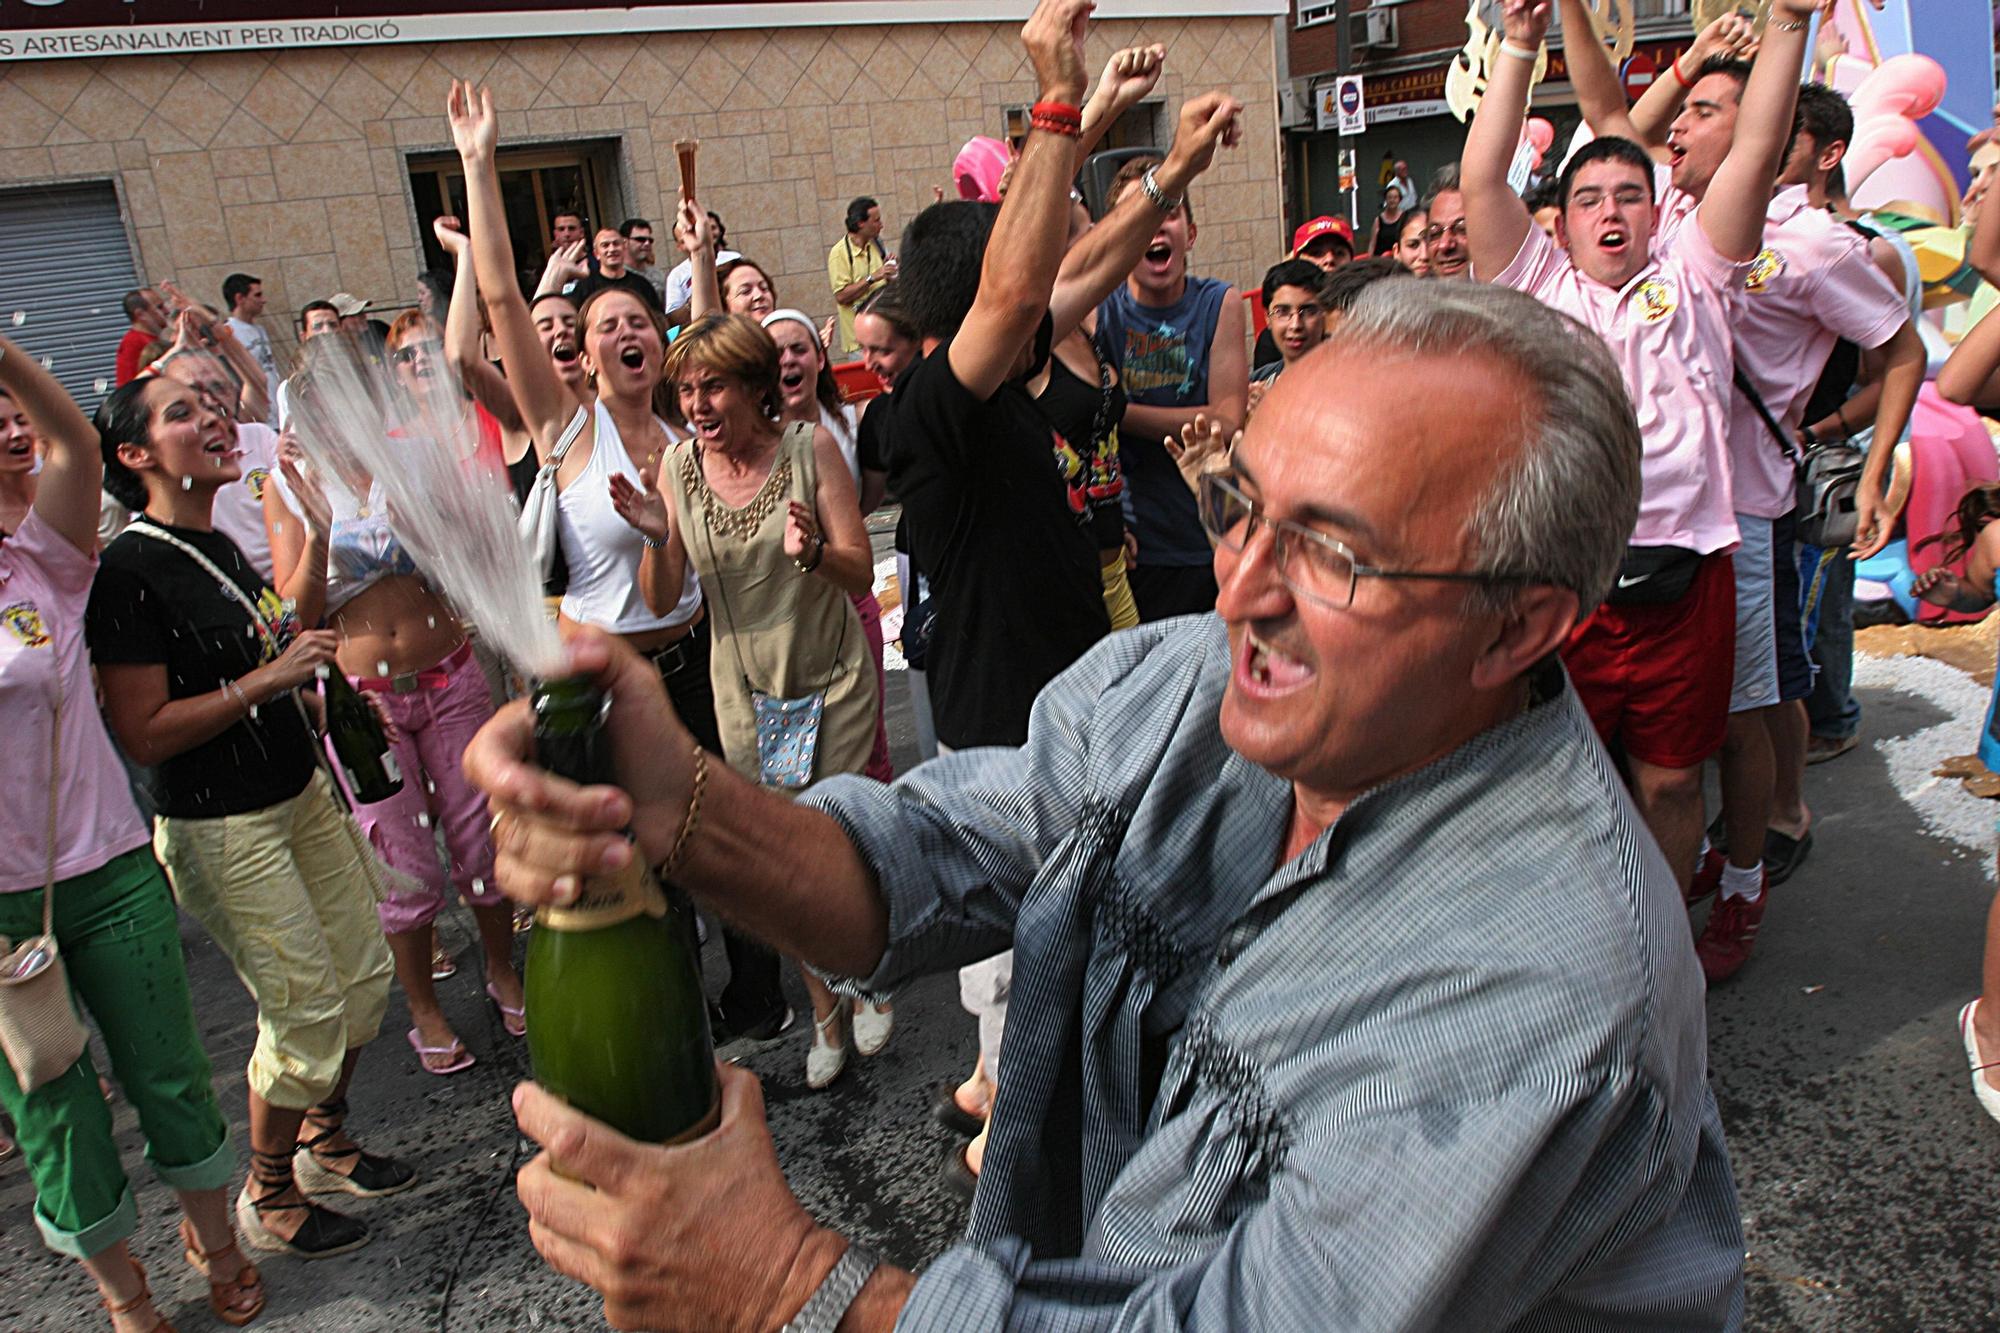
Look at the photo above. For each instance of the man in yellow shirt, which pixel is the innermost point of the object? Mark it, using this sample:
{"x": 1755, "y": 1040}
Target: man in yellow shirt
{"x": 856, "y": 266}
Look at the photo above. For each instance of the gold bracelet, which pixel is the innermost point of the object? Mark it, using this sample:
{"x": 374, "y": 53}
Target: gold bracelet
{"x": 681, "y": 843}
{"x": 1796, "y": 25}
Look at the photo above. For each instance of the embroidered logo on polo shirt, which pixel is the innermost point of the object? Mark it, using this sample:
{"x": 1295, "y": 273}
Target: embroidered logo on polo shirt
{"x": 26, "y": 623}
{"x": 1767, "y": 265}
{"x": 255, "y": 479}
{"x": 1655, "y": 300}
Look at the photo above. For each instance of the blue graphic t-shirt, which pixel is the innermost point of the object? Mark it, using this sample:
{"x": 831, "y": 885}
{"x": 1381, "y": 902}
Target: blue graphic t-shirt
{"x": 1162, "y": 357}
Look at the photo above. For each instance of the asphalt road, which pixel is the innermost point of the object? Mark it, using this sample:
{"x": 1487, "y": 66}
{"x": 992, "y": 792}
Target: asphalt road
{"x": 1865, "y": 1166}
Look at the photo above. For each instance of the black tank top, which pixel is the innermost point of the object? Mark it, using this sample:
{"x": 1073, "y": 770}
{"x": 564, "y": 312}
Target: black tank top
{"x": 1086, "y": 415}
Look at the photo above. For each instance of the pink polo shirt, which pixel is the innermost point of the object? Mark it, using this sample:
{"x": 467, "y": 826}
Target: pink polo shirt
{"x": 44, "y": 585}
{"x": 1813, "y": 282}
{"x": 1668, "y": 329}
{"x": 1671, "y": 207}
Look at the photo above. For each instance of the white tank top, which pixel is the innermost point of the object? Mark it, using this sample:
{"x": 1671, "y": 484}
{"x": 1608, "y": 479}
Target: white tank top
{"x": 603, "y": 550}
{"x": 842, "y": 426}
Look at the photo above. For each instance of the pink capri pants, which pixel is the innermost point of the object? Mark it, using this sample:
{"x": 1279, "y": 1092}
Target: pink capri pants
{"x": 437, "y": 712}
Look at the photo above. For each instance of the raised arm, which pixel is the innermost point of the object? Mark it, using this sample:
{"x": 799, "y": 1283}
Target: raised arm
{"x": 1496, "y": 221}
{"x": 1653, "y": 115}
{"x": 1732, "y": 212}
{"x": 1599, "y": 93}
{"x": 462, "y": 351}
{"x": 73, "y": 467}
{"x": 298, "y": 541}
{"x": 1128, "y": 77}
{"x": 695, "y": 234}
{"x": 545, "y": 405}
{"x": 1026, "y": 248}
{"x": 1104, "y": 257}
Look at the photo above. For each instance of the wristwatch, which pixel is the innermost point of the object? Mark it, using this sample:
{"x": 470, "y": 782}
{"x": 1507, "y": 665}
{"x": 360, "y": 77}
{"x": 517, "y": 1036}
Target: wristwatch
{"x": 824, "y": 1309}
{"x": 1151, "y": 185}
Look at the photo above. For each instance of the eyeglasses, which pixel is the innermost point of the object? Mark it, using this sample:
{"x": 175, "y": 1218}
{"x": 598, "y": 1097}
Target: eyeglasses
{"x": 1306, "y": 311}
{"x": 1317, "y": 567}
{"x": 1433, "y": 234}
{"x": 403, "y": 356}
{"x": 1625, "y": 196}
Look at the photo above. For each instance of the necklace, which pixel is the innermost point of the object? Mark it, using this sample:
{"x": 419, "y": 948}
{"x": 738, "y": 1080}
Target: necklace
{"x": 743, "y": 523}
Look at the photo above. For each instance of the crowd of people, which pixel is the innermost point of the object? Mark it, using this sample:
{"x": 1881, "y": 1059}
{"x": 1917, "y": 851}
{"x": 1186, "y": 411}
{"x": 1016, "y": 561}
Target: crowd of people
{"x": 1210, "y": 689}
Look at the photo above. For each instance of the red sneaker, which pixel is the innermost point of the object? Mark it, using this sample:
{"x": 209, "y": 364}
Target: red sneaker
{"x": 1725, "y": 943}
{"x": 1708, "y": 879}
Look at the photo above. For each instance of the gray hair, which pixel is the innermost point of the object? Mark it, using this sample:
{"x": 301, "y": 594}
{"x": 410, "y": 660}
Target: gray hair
{"x": 1443, "y": 181}
{"x": 1562, "y": 510}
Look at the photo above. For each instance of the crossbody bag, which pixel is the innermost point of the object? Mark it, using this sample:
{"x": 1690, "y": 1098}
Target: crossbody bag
{"x": 1827, "y": 478}
{"x": 40, "y": 1033}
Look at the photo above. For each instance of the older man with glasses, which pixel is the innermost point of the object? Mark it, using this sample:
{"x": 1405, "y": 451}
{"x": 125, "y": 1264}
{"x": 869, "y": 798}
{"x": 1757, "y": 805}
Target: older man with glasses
{"x": 1349, "y": 990}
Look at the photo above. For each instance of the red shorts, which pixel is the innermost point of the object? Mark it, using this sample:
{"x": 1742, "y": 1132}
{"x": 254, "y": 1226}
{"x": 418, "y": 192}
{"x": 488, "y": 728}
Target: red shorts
{"x": 1656, "y": 677}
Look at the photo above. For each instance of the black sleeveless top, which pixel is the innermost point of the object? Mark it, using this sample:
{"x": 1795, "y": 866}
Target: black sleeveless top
{"x": 1086, "y": 415}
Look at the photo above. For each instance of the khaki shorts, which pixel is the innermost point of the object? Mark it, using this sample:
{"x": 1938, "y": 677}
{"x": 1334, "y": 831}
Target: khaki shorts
{"x": 289, "y": 894}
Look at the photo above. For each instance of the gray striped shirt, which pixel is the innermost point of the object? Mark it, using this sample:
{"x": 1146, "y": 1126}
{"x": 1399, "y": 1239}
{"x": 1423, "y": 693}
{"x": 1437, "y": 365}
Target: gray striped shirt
{"x": 1444, "y": 1069}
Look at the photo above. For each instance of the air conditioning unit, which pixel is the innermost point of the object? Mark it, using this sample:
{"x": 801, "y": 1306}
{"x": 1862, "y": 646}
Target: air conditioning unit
{"x": 1372, "y": 29}
{"x": 1294, "y": 111}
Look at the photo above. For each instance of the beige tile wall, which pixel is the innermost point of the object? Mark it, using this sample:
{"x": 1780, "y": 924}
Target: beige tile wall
{"x": 292, "y": 165}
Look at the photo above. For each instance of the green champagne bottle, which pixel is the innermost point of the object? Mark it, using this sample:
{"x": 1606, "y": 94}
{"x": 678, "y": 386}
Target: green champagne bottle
{"x": 358, "y": 740}
{"x": 618, "y": 1024}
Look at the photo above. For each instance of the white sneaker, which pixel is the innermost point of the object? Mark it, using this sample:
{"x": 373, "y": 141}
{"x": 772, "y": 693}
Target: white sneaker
{"x": 826, "y": 1058}
{"x": 872, "y": 1025}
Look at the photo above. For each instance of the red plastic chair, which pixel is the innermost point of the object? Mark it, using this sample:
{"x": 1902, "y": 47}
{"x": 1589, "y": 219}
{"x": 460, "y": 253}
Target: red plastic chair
{"x": 856, "y": 381}
{"x": 1257, "y": 319}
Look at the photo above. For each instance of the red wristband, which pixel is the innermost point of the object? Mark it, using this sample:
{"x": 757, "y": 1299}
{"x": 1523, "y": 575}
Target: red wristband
{"x": 1679, "y": 77}
{"x": 1054, "y": 125}
{"x": 1057, "y": 111}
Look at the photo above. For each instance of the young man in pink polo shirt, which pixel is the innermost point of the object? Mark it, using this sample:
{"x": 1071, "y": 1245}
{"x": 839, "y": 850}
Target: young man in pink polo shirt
{"x": 1654, "y": 664}
{"x": 1813, "y": 282}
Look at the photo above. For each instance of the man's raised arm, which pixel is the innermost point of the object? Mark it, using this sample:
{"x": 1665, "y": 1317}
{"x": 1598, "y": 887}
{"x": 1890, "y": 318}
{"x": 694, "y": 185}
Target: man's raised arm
{"x": 1732, "y": 212}
{"x": 1029, "y": 237}
{"x": 1496, "y": 221}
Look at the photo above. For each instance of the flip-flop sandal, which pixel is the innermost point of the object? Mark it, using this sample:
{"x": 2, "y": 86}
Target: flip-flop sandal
{"x": 1783, "y": 854}
{"x": 425, "y": 1053}
{"x": 515, "y": 1020}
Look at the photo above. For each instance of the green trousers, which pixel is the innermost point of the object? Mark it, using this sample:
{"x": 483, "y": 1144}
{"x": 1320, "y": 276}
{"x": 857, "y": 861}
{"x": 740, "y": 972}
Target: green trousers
{"x": 122, "y": 949}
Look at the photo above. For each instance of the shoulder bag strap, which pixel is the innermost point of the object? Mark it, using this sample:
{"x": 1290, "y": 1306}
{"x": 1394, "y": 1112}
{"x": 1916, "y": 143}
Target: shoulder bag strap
{"x": 264, "y": 628}
{"x": 55, "y": 785}
{"x": 566, "y": 439}
{"x": 1785, "y": 447}
{"x": 229, "y": 585}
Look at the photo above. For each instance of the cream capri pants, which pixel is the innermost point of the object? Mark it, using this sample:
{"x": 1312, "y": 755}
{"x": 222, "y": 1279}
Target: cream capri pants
{"x": 289, "y": 894}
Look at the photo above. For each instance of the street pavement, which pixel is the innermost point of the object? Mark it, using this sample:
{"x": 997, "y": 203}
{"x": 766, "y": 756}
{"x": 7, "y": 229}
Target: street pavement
{"x": 1863, "y": 1160}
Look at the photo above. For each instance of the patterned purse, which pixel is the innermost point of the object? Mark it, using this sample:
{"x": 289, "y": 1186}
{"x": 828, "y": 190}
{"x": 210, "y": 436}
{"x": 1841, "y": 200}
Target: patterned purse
{"x": 787, "y": 737}
{"x": 39, "y": 1030}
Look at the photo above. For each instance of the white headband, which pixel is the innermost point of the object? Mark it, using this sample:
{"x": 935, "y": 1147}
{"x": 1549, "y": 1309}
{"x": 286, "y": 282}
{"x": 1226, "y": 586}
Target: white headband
{"x": 778, "y": 316}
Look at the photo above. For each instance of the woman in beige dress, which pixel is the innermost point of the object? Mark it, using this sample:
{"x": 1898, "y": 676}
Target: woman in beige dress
{"x": 767, "y": 515}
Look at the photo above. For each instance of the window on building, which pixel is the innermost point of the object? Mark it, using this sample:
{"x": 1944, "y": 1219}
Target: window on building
{"x": 1139, "y": 127}
{"x": 536, "y": 185}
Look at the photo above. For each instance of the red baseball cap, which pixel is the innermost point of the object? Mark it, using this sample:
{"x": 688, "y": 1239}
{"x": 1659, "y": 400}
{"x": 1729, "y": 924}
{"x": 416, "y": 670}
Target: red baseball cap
{"x": 1322, "y": 226}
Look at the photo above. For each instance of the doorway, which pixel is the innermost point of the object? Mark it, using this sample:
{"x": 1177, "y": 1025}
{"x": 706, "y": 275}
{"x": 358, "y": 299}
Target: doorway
{"x": 536, "y": 184}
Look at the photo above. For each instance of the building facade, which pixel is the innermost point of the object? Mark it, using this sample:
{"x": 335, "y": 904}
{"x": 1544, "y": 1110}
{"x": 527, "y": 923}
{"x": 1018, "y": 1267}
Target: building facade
{"x": 312, "y": 150}
{"x": 1402, "y": 49}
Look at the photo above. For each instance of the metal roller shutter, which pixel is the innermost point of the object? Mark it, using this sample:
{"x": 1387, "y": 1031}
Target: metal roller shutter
{"x": 65, "y": 266}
